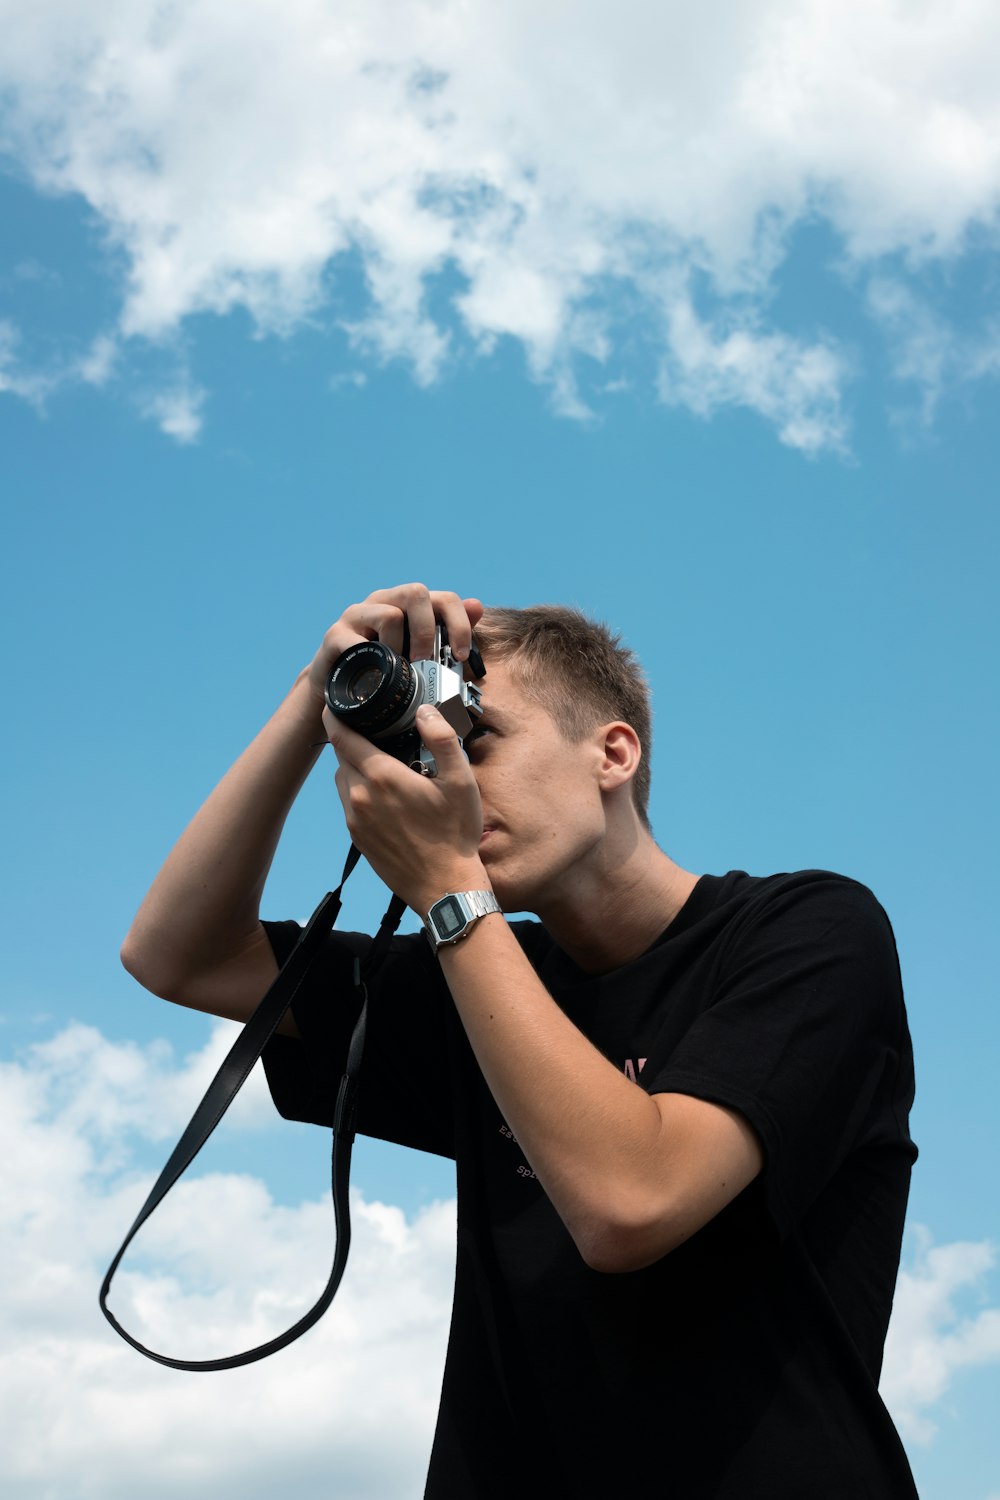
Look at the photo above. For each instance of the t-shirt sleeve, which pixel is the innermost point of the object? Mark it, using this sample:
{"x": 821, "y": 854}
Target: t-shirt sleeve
{"x": 805, "y": 1035}
{"x": 404, "y": 1094}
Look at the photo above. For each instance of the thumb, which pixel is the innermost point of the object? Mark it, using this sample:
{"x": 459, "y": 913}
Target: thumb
{"x": 439, "y": 737}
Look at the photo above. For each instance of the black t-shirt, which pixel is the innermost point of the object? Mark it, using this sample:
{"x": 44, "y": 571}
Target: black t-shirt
{"x": 743, "y": 1365}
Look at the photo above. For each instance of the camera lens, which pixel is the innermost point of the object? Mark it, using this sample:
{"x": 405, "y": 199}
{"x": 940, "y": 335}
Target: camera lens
{"x": 371, "y": 688}
{"x": 363, "y": 685}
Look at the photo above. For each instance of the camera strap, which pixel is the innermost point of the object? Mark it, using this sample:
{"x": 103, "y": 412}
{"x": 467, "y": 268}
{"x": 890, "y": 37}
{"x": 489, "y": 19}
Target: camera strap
{"x": 230, "y": 1079}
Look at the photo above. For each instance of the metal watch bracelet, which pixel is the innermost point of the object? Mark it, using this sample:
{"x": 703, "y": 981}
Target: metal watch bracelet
{"x": 452, "y": 917}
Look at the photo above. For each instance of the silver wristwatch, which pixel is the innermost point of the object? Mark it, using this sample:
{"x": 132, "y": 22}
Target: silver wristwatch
{"x": 455, "y": 915}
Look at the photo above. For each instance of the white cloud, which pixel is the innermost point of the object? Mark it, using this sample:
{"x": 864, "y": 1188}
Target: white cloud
{"x": 99, "y": 1089}
{"x": 348, "y": 380}
{"x": 926, "y": 350}
{"x": 221, "y": 1266}
{"x": 796, "y": 386}
{"x": 177, "y": 411}
{"x": 98, "y": 364}
{"x": 14, "y": 379}
{"x": 930, "y": 1341}
{"x": 34, "y": 270}
{"x": 558, "y": 162}
{"x": 85, "y": 1416}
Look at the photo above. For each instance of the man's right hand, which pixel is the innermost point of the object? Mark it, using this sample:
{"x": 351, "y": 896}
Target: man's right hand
{"x": 383, "y": 616}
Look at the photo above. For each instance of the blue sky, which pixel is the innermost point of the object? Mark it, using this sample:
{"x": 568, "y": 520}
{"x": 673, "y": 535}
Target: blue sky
{"x": 745, "y": 412}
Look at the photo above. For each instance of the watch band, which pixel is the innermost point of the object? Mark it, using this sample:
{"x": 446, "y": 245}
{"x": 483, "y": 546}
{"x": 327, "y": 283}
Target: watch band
{"x": 453, "y": 917}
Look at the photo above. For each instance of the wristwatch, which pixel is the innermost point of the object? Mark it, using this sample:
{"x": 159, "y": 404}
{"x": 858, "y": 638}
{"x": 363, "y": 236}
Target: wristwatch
{"x": 455, "y": 915}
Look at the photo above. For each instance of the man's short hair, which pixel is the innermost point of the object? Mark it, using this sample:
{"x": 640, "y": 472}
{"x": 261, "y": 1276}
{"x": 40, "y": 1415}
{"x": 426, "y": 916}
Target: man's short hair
{"x": 577, "y": 669}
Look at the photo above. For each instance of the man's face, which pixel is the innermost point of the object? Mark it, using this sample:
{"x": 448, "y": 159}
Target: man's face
{"x": 542, "y": 808}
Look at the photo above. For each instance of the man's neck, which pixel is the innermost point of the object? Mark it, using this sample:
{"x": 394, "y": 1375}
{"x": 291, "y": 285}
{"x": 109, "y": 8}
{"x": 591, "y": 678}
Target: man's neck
{"x": 619, "y": 906}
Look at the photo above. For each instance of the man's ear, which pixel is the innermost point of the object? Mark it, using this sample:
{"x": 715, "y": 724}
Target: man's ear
{"x": 620, "y": 757}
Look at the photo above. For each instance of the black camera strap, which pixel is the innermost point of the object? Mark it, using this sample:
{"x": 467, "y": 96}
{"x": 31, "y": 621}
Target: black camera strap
{"x": 230, "y": 1079}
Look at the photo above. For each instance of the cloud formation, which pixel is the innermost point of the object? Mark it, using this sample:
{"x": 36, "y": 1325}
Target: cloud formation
{"x": 222, "y": 1266}
{"x": 930, "y": 1339}
{"x": 561, "y": 175}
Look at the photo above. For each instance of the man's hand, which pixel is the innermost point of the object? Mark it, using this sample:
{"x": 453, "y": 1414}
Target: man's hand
{"x": 420, "y": 834}
{"x": 383, "y": 615}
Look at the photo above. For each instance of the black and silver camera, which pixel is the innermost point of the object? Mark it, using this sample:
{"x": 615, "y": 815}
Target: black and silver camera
{"x": 377, "y": 692}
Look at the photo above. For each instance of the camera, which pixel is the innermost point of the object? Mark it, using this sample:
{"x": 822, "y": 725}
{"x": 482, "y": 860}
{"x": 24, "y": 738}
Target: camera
{"x": 377, "y": 692}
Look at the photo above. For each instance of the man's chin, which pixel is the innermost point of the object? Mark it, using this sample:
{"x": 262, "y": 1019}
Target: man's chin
{"x": 513, "y": 895}
{"x": 502, "y": 887}
{"x": 512, "y": 890}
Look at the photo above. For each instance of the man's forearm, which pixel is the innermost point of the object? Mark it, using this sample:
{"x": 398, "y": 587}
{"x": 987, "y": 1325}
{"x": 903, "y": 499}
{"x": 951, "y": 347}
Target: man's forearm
{"x": 631, "y": 1175}
{"x": 204, "y": 904}
{"x": 592, "y": 1136}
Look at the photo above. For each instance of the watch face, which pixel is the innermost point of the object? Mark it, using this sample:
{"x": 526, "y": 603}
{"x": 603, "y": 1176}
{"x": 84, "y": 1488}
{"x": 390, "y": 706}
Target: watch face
{"x": 449, "y": 917}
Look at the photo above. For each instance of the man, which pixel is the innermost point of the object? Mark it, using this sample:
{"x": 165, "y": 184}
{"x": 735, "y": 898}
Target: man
{"x": 678, "y": 1105}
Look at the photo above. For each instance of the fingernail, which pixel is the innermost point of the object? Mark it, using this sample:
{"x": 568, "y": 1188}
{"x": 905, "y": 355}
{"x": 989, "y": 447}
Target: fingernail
{"x": 426, "y": 711}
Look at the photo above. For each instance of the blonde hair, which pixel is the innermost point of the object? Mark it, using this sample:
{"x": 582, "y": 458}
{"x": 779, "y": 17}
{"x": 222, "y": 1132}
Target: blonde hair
{"x": 577, "y": 669}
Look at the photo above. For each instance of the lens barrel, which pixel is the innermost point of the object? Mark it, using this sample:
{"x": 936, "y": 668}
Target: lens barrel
{"x": 372, "y": 689}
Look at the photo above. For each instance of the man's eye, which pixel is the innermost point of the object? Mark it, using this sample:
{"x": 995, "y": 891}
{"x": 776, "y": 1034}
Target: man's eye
{"x": 476, "y": 735}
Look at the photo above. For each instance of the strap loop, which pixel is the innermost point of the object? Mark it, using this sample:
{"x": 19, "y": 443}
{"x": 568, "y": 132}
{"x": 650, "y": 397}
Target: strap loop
{"x": 227, "y": 1083}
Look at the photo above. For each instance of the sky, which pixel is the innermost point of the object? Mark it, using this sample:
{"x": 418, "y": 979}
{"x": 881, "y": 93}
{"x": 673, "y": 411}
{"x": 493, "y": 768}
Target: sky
{"x": 684, "y": 317}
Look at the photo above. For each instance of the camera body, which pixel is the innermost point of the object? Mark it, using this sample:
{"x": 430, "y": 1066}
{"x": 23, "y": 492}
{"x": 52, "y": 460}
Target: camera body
{"x": 377, "y": 692}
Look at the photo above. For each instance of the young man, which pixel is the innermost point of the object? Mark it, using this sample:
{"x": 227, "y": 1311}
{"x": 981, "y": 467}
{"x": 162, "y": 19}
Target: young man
{"x": 678, "y": 1105}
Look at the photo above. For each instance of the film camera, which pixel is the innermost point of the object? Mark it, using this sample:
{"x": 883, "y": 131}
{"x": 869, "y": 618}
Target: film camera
{"x": 377, "y": 692}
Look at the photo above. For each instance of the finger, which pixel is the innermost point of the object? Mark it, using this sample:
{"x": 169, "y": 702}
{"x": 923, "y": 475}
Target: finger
{"x": 451, "y": 610}
{"x": 373, "y": 621}
{"x": 475, "y": 609}
{"x": 359, "y": 623}
{"x": 414, "y": 599}
{"x": 351, "y": 748}
{"x": 442, "y": 741}
{"x": 355, "y": 792}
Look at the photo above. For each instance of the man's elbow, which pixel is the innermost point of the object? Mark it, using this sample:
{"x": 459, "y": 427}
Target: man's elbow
{"x": 150, "y": 975}
{"x": 133, "y": 964}
{"x": 614, "y": 1245}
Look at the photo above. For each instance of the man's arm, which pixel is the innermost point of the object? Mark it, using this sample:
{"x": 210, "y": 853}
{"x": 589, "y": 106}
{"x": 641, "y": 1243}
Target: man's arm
{"x": 197, "y": 938}
{"x": 631, "y": 1175}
